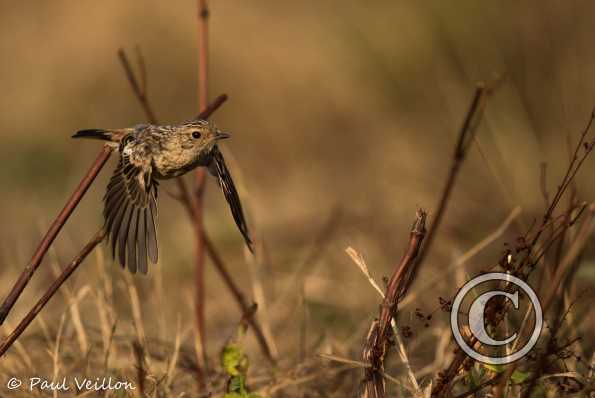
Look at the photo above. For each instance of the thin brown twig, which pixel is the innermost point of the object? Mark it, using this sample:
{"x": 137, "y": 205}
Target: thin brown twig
{"x": 138, "y": 89}
{"x": 444, "y": 384}
{"x": 487, "y": 383}
{"x": 187, "y": 200}
{"x": 359, "y": 261}
{"x": 203, "y": 53}
{"x": 246, "y": 309}
{"x": 466, "y": 135}
{"x": 53, "y": 232}
{"x": 542, "y": 358}
{"x": 543, "y": 183}
{"x": 574, "y": 166}
{"x": 465, "y": 138}
{"x": 576, "y": 248}
{"x": 560, "y": 278}
{"x": 142, "y": 97}
{"x": 85, "y": 251}
{"x": 199, "y": 264}
{"x": 465, "y": 257}
{"x": 446, "y": 377}
{"x": 377, "y": 342}
{"x": 200, "y": 179}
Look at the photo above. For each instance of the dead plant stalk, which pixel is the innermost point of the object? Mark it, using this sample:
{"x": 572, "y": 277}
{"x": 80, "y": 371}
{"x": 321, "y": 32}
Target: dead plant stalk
{"x": 78, "y": 259}
{"x": 203, "y": 49}
{"x": 53, "y": 232}
{"x": 189, "y": 202}
{"x": 531, "y": 258}
{"x": 378, "y": 339}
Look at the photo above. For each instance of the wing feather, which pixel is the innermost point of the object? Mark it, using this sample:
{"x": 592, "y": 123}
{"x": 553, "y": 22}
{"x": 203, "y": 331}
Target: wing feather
{"x": 231, "y": 194}
{"x": 142, "y": 240}
{"x": 132, "y": 241}
{"x": 151, "y": 219}
{"x": 123, "y": 235}
{"x": 112, "y": 212}
{"x": 130, "y": 213}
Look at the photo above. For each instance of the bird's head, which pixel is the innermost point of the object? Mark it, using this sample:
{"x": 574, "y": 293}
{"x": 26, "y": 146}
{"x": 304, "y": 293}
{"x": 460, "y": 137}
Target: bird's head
{"x": 199, "y": 136}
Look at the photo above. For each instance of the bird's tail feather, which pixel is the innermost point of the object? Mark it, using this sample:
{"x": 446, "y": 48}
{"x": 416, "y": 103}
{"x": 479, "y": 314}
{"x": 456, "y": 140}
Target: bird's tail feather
{"x": 94, "y": 134}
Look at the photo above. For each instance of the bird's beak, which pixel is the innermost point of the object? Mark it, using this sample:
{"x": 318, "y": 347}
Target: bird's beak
{"x": 222, "y": 136}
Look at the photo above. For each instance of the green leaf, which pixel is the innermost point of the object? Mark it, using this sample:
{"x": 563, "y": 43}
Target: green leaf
{"x": 234, "y": 395}
{"x": 236, "y": 384}
{"x": 519, "y": 377}
{"x": 240, "y": 395}
{"x": 474, "y": 378}
{"x": 235, "y": 364}
{"x": 494, "y": 368}
{"x": 231, "y": 359}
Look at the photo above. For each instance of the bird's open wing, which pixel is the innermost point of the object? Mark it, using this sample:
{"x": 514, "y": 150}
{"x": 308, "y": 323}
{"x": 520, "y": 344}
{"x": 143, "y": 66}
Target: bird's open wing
{"x": 218, "y": 168}
{"x": 131, "y": 214}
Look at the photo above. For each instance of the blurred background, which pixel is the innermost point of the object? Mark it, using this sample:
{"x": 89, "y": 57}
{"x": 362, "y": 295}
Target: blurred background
{"x": 344, "y": 118}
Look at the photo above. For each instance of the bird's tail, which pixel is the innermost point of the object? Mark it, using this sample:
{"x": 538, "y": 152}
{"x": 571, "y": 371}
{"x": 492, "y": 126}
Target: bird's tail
{"x": 95, "y": 134}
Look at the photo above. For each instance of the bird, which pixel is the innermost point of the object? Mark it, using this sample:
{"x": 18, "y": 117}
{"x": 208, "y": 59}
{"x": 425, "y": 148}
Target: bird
{"x": 149, "y": 153}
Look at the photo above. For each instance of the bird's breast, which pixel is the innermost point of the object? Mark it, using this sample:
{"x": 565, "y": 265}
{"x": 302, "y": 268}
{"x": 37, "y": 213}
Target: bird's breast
{"x": 172, "y": 165}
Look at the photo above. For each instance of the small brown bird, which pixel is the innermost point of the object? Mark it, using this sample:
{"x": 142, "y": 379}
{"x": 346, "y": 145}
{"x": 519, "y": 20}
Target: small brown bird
{"x": 148, "y": 153}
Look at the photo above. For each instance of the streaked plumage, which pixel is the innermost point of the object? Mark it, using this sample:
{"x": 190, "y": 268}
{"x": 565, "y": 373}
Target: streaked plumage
{"x": 148, "y": 153}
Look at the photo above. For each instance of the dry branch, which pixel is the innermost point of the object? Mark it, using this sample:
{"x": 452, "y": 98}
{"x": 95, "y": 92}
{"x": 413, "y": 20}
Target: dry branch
{"x": 379, "y": 336}
{"x": 359, "y": 261}
{"x": 533, "y": 252}
{"x": 247, "y": 312}
{"x": 54, "y": 230}
{"x": 464, "y": 140}
{"x": 85, "y": 251}
{"x": 140, "y": 91}
{"x": 186, "y": 198}
{"x": 555, "y": 284}
{"x": 465, "y": 257}
{"x": 200, "y": 179}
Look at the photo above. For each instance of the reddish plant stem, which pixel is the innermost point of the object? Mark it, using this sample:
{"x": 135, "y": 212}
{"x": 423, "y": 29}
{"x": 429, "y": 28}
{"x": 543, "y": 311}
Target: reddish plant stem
{"x": 466, "y": 136}
{"x": 192, "y": 206}
{"x": 212, "y": 107}
{"x": 246, "y": 309}
{"x": 557, "y": 282}
{"x": 189, "y": 203}
{"x": 140, "y": 91}
{"x": 399, "y": 283}
{"x": 203, "y": 53}
{"x": 378, "y": 339}
{"x": 85, "y": 251}
{"x": 53, "y": 231}
{"x": 200, "y": 178}
{"x": 444, "y": 382}
{"x": 199, "y": 271}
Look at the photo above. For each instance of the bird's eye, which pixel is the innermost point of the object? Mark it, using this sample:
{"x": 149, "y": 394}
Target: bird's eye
{"x": 128, "y": 139}
{"x": 196, "y": 134}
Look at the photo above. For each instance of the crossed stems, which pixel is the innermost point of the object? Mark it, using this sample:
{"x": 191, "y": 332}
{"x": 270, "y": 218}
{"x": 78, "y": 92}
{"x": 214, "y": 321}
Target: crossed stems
{"x": 98, "y": 237}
